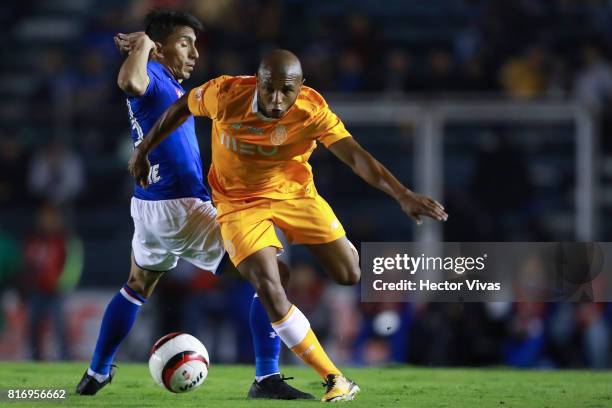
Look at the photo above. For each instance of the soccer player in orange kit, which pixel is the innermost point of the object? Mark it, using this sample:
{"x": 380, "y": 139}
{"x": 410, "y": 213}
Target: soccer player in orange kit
{"x": 264, "y": 129}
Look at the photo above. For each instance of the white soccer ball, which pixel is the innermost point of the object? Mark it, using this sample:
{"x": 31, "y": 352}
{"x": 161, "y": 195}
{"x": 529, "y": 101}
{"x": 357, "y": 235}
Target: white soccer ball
{"x": 179, "y": 362}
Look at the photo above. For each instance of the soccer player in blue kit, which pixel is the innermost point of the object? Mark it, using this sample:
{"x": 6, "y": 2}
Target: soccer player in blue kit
{"x": 174, "y": 217}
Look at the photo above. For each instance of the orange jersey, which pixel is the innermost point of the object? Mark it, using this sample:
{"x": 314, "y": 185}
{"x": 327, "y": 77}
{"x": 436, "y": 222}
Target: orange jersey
{"x": 257, "y": 157}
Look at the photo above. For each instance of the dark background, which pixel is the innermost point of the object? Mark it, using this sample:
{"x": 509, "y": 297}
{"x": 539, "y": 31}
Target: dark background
{"x": 64, "y": 144}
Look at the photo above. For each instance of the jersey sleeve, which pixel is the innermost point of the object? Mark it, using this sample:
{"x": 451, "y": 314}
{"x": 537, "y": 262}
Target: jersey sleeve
{"x": 204, "y": 100}
{"x": 152, "y": 87}
{"x": 328, "y": 127}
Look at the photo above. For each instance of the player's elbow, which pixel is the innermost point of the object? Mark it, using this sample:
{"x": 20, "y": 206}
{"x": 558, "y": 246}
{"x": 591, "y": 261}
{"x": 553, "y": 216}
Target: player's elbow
{"x": 131, "y": 86}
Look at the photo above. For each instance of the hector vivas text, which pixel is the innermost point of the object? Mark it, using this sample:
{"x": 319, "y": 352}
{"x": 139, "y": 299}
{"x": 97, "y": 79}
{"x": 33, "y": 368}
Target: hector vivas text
{"x": 413, "y": 265}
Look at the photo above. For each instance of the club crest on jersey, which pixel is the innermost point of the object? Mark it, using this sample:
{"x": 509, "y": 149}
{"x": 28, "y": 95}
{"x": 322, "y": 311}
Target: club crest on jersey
{"x": 179, "y": 93}
{"x": 198, "y": 94}
{"x": 279, "y": 135}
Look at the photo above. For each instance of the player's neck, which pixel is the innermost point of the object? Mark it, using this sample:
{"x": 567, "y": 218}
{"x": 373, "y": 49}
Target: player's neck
{"x": 262, "y": 115}
{"x": 168, "y": 69}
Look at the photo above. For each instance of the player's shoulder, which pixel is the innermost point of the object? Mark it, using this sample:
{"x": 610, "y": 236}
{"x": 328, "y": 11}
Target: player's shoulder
{"x": 155, "y": 68}
{"x": 155, "y": 73}
{"x": 312, "y": 96}
{"x": 311, "y": 100}
{"x": 227, "y": 83}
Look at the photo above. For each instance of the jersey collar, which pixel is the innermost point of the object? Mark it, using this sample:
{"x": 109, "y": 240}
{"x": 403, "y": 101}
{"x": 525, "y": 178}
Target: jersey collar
{"x": 168, "y": 73}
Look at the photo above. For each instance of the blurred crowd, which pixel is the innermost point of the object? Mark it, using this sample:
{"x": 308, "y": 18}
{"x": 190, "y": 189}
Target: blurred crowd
{"x": 71, "y": 112}
{"x": 64, "y": 142}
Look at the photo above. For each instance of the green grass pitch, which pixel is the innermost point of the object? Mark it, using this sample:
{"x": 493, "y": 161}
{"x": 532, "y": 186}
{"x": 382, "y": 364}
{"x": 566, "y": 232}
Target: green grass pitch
{"x": 396, "y": 386}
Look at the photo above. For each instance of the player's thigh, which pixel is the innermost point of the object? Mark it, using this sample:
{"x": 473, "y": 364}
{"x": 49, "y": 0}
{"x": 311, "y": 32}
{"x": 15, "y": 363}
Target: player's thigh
{"x": 246, "y": 231}
{"x": 308, "y": 220}
{"x": 199, "y": 240}
{"x": 261, "y": 270}
{"x": 311, "y": 221}
{"x": 155, "y": 224}
{"x": 340, "y": 259}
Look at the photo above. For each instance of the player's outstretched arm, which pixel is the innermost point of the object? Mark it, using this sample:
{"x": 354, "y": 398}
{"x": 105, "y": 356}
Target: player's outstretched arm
{"x": 133, "y": 78}
{"x": 168, "y": 122}
{"x": 377, "y": 175}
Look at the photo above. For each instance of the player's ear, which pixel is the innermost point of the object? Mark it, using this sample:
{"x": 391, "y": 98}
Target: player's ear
{"x": 157, "y": 50}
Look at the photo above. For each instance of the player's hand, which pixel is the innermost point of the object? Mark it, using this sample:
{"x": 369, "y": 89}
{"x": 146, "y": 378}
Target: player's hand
{"x": 417, "y": 205}
{"x": 139, "y": 167}
{"x": 127, "y": 42}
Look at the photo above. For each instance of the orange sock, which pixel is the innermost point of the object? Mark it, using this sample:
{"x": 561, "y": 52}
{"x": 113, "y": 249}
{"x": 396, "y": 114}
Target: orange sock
{"x": 311, "y": 352}
{"x": 294, "y": 329}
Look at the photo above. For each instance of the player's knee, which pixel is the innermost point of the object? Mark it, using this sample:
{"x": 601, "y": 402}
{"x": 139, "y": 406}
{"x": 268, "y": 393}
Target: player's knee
{"x": 270, "y": 290}
{"x": 349, "y": 274}
{"x": 347, "y": 270}
{"x": 355, "y": 253}
{"x": 261, "y": 271}
{"x": 353, "y": 275}
{"x": 138, "y": 286}
{"x": 273, "y": 295}
{"x": 143, "y": 282}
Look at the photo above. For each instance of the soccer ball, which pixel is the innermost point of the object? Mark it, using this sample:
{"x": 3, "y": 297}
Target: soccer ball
{"x": 179, "y": 362}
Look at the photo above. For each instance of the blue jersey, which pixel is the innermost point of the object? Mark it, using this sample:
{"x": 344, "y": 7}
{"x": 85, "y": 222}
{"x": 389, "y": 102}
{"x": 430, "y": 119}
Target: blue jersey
{"x": 176, "y": 166}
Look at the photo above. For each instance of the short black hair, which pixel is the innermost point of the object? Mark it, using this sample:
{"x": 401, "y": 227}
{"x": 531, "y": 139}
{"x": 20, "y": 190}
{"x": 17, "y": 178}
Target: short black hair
{"x": 160, "y": 24}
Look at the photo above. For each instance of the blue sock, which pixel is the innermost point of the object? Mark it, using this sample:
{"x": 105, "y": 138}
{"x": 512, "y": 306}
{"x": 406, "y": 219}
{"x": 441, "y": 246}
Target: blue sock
{"x": 118, "y": 319}
{"x": 266, "y": 342}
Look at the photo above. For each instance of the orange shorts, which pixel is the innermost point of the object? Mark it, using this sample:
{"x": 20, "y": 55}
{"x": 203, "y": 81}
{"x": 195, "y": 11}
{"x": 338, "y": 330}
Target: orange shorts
{"x": 247, "y": 227}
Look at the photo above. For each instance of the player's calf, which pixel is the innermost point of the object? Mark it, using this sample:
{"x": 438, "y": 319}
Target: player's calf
{"x": 288, "y": 321}
{"x": 262, "y": 271}
{"x": 118, "y": 320}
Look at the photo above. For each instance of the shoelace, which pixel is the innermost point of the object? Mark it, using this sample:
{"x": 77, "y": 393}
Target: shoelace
{"x": 283, "y": 378}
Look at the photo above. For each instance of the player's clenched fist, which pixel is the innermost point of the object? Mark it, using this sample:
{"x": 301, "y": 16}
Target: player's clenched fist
{"x": 126, "y": 43}
{"x": 139, "y": 167}
{"x": 415, "y": 205}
